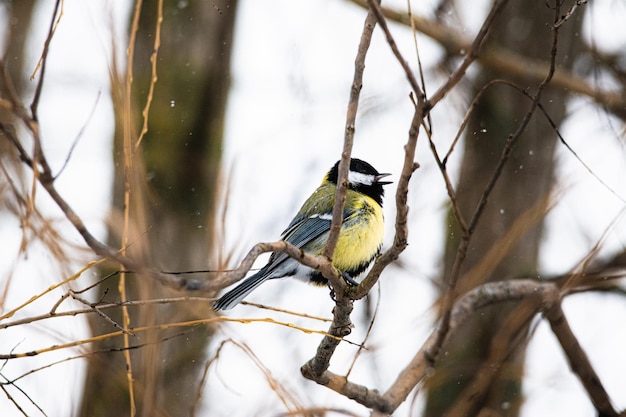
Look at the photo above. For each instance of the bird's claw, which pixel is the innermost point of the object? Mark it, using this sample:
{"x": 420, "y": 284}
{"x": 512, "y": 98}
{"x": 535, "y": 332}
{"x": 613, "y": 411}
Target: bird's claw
{"x": 349, "y": 279}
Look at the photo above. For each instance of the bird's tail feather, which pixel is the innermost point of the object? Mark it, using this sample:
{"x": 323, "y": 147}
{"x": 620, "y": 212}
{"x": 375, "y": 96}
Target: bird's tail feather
{"x": 241, "y": 291}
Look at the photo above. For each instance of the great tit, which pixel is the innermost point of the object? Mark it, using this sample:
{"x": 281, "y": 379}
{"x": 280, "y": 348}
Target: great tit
{"x": 360, "y": 237}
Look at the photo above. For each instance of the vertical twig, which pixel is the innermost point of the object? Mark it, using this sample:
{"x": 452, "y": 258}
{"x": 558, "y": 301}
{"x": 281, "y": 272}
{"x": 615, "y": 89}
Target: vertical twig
{"x": 409, "y": 166}
{"x": 32, "y": 120}
{"x": 344, "y": 165}
{"x": 375, "y": 7}
{"x": 341, "y": 325}
{"x": 450, "y": 295}
{"x": 153, "y": 79}
{"x": 128, "y": 169}
{"x": 34, "y": 107}
{"x": 471, "y": 54}
{"x": 578, "y": 361}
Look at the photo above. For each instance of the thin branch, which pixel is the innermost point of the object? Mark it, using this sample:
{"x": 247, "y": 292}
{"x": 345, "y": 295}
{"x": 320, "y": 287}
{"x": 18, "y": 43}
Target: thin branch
{"x": 34, "y": 298}
{"x": 106, "y": 318}
{"x": 409, "y": 166}
{"x": 454, "y": 78}
{"x": 3, "y": 386}
{"x": 569, "y": 13}
{"x": 427, "y": 126}
{"x": 101, "y": 306}
{"x": 400, "y": 239}
{"x": 480, "y": 297}
{"x": 578, "y": 361}
{"x": 153, "y": 79}
{"x": 442, "y": 164}
{"x": 507, "y": 61}
{"x": 368, "y": 332}
{"x": 375, "y": 7}
{"x": 514, "y": 137}
{"x": 45, "y": 178}
{"x": 160, "y": 326}
{"x": 34, "y": 107}
{"x": 472, "y": 53}
{"x": 344, "y": 165}
{"x": 466, "y": 117}
{"x": 78, "y": 137}
{"x": 509, "y": 336}
{"x": 9, "y": 132}
{"x": 341, "y": 325}
{"x": 128, "y": 171}
{"x": 422, "y": 108}
{"x": 93, "y": 353}
{"x": 320, "y": 263}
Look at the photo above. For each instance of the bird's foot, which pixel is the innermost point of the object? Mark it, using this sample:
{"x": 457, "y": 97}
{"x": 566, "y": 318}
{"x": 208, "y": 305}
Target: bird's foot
{"x": 351, "y": 281}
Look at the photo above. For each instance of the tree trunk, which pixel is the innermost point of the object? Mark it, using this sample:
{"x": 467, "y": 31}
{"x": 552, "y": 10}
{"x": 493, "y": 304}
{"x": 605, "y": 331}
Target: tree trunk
{"x": 525, "y": 183}
{"x": 173, "y": 206}
{"x": 19, "y": 22}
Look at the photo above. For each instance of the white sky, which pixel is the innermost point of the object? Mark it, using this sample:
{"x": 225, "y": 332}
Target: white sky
{"x": 292, "y": 69}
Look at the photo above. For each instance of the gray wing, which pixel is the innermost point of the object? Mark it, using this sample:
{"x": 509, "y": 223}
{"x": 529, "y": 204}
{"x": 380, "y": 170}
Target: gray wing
{"x": 304, "y": 230}
{"x": 301, "y": 231}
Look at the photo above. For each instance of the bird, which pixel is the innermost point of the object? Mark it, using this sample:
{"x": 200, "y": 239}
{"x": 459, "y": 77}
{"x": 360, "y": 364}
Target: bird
{"x": 360, "y": 236}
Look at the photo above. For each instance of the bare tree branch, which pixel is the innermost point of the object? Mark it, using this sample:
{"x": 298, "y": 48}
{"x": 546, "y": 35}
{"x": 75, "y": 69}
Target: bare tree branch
{"x": 578, "y": 360}
{"x": 344, "y": 165}
{"x": 34, "y": 107}
{"x": 507, "y": 61}
{"x": 341, "y": 325}
{"x": 471, "y": 55}
{"x": 375, "y": 7}
{"x": 539, "y": 294}
{"x": 533, "y": 296}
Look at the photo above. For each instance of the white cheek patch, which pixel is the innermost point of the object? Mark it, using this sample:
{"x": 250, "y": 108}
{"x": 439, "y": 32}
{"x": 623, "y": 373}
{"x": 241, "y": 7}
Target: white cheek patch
{"x": 360, "y": 178}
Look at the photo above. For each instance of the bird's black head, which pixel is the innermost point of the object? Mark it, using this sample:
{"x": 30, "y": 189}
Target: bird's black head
{"x": 363, "y": 178}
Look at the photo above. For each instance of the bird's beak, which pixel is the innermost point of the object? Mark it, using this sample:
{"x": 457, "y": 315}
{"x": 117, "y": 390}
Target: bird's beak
{"x": 379, "y": 177}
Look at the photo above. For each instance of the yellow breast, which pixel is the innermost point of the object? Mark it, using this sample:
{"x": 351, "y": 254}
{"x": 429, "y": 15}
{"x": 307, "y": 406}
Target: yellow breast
{"x": 361, "y": 234}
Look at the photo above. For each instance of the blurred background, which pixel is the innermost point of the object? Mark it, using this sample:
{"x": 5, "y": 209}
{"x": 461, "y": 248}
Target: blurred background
{"x": 245, "y": 117}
